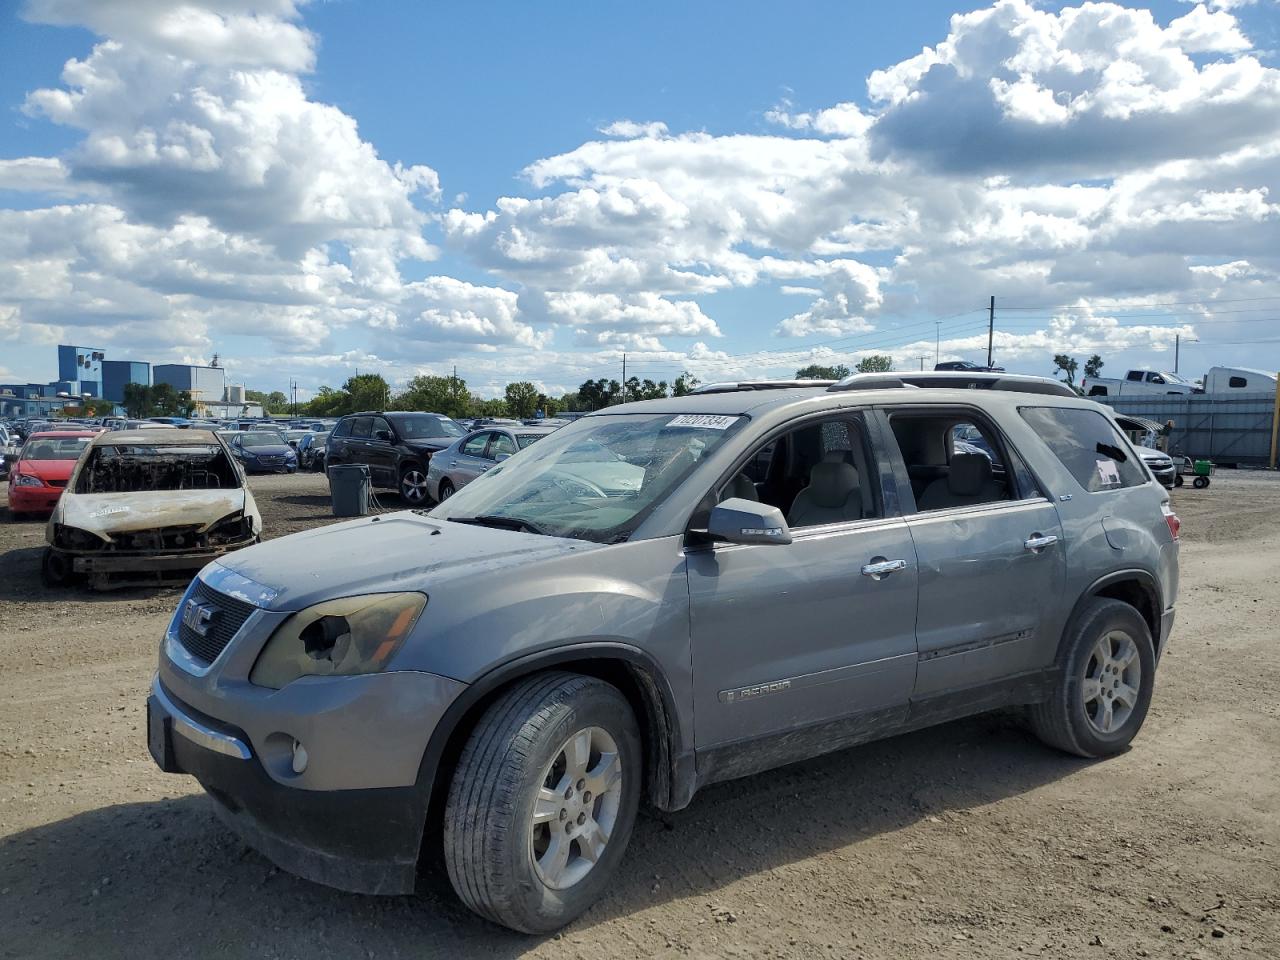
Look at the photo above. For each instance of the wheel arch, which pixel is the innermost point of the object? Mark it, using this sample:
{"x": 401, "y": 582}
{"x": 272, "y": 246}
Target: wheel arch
{"x": 668, "y": 773}
{"x": 1136, "y": 587}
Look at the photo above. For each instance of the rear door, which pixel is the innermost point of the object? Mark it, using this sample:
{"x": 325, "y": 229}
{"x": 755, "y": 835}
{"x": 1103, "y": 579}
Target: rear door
{"x": 471, "y": 460}
{"x": 380, "y": 451}
{"x": 989, "y": 547}
{"x": 337, "y": 448}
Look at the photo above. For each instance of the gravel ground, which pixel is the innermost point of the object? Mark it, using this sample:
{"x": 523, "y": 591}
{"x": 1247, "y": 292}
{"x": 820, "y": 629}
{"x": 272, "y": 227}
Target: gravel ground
{"x": 968, "y": 840}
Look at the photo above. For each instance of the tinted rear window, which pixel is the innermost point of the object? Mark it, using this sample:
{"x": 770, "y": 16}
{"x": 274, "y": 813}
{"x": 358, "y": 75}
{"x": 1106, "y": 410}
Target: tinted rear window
{"x": 1088, "y": 445}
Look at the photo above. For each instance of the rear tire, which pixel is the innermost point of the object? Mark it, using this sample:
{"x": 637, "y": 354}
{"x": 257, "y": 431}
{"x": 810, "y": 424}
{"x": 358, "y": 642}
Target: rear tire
{"x": 1200, "y": 482}
{"x": 1107, "y": 673}
{"x": 445, "y": 490}
{"x": 413, "y": 485}
{"x": 527, "y": 842}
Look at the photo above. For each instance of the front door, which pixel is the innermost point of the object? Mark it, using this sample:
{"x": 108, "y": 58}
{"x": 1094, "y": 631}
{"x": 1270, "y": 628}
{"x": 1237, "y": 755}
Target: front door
{"x": 789, "y": 637}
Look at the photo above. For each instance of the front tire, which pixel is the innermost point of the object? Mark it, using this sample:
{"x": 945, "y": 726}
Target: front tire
{"x": 543, "y": 801}
{"x": 413, "y": 485}
{"x": 1177, "y": 481}
{"x": 1104, "y": 686}
{"x": 55, "y": 569}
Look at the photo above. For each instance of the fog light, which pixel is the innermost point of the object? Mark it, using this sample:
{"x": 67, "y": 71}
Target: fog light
{"x": 299, "y": 757}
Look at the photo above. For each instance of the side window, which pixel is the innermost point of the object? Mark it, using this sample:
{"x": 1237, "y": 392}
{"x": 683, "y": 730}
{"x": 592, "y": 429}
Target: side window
{"x": 501, "y": 444}
{"x": 1134, "y": 375}
{"x": 1237, "y": 383}
{"x": 343, "y": 429}
{"x": 361, "y": 427}
{"x": 1088, "y": 445}
{"x": 820, "y": 473}
{"x": 953, "y": 459}
{"x": 475, "y": 446}
{"x": 1154, "y": 378}
{"x": 379, "y": 424}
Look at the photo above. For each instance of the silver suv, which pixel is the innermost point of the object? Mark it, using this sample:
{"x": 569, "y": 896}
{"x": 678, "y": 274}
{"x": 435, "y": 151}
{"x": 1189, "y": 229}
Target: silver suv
{"x": 656, "y": 597}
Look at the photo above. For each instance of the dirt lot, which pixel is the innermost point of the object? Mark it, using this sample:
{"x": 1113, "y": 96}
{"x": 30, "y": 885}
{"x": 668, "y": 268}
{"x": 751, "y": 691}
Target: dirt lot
{"x": 969, "y": 840}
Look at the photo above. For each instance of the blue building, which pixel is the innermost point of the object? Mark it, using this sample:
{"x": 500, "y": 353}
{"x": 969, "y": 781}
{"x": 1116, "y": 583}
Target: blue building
{"x": 83, "y": 366}
{"x": 117, "y": 373}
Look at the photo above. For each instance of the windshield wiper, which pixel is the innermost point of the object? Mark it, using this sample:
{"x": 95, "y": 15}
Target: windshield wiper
{"x": 501, "y": 522}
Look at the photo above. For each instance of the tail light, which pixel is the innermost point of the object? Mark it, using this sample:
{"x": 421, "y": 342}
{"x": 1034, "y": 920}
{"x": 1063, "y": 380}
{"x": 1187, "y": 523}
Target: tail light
{"x": 1172, "y": 520}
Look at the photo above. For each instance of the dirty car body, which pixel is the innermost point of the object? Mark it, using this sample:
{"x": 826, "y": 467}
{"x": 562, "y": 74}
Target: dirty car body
{"x": 151, "y": 506}
{"x": 721, "y": 583}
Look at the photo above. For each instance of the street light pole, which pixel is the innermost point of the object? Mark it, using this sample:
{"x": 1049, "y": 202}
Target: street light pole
{"x": 1177, "y": 348}
{"x": 937, "y": 342}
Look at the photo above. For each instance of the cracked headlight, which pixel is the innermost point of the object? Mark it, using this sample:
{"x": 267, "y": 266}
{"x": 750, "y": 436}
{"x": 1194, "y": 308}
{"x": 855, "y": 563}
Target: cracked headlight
{"x": 343, "y": 637}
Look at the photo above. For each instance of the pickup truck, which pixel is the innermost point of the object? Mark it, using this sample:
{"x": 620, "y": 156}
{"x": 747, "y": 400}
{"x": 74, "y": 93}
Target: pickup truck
{"x": 1137, "y": 383}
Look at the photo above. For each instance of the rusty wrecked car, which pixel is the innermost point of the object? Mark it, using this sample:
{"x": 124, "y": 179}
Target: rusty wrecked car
{"x": 147, "y": 507}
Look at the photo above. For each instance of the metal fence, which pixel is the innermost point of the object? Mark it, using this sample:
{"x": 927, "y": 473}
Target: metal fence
{"x": 1227, "y": 430}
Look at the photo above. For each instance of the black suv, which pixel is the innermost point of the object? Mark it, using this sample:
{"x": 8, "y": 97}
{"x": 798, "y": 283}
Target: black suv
{"x": 396, "y": 446}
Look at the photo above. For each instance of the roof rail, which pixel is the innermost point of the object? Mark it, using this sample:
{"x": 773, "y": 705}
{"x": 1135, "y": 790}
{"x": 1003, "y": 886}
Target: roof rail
{"x": 948, "y": 380}
{"x": 734, "y": 386}
{"x": 869, "y": 381}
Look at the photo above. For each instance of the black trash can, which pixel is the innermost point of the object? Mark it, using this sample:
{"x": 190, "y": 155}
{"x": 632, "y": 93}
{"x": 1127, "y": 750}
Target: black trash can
{"x": 349, "y": 489}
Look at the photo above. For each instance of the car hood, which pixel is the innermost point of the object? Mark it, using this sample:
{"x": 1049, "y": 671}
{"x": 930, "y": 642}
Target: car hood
{"x": 270, "y": 450}
{"x": 1152, "y": 455}
{"x": 107, "y": 514}
{"x": 432, "y": 445}
{"x": 392, "y": 552}
{"x": 46, "y": 470}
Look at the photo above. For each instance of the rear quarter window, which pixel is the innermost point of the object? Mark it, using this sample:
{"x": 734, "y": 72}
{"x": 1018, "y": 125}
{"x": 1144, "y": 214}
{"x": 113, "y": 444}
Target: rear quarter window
{"x": 1088, "y": 445}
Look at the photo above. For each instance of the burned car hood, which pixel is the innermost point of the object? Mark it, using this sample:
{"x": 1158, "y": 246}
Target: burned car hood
{"x": 392, "y": 552}
{"x": 112, "y": 513}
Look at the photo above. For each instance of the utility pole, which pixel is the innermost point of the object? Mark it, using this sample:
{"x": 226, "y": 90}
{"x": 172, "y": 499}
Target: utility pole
{"x": 1177, "y": 347}
{"x": 922, "y": 358}
{"x": 937, "y": 342}
{"x": 624, "y": 378}
{"x": 991, "y": 330}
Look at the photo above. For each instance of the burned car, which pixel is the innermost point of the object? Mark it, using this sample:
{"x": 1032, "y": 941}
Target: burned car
{"x": 149, "y": 507}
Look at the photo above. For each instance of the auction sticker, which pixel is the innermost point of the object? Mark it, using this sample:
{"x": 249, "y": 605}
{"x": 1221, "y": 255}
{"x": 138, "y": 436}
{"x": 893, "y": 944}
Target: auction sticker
{"x": 1109, "y": 473}
{"x": 706, "y": 421}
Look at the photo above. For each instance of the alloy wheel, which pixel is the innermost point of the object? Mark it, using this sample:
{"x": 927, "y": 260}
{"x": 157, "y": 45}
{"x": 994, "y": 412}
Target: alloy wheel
{"x": 576, "y": 809}
{"x": 1112, "y": 679}
{"x": 413, "y": 486}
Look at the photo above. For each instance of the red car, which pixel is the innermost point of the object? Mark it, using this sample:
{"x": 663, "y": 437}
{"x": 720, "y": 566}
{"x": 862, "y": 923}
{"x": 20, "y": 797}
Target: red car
{"x": 36, "y": 481}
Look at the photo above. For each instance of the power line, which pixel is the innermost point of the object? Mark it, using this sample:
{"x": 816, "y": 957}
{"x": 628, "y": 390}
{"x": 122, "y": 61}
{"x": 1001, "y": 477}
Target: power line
{"x": 1091, "y": 301}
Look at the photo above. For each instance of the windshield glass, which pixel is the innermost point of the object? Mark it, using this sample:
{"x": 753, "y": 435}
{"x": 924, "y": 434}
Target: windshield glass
{"x": 51, "y": 448}
{"x": 1173, "y": 378}
{"x": 428, "y": 428}
{"x": 595, "y": 479}
{"x": 524, "y": 439}
{"x": 133, "y": 468}
{"x": 262, "y": 439}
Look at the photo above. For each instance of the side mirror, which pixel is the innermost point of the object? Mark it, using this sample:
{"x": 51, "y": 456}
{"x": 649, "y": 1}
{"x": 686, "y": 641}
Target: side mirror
{"x": 746, "y": 521}
{"x": 383, "y": 435}
{"x": 502, "y": 456}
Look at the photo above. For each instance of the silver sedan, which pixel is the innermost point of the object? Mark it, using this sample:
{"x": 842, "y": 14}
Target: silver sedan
{"x": 467, "y": 457}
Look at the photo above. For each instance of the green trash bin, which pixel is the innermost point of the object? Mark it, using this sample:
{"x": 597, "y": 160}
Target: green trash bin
{"x": 349, "y": 489}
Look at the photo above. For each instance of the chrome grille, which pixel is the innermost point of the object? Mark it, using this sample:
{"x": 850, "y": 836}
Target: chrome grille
{"x": 226, "y": 615}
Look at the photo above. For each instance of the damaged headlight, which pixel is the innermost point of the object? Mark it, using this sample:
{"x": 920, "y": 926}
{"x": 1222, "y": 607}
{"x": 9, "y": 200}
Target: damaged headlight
{"x": 73, "y": 538}
{"x": 229, "y": 529}
{"x": 344, "y": 637}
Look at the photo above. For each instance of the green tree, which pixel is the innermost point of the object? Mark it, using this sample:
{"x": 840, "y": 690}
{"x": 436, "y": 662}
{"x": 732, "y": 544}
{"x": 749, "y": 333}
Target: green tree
{"x": 684, "y": 384}
{"x": 447, "y": 395}
{"x": 522, "y": 399}
{"x": 273, "y": 402}
{"x": 1063, "y": 363}
{"x": 600, "y": 393}
{"x": 875, "y": 363}
{"x": 490, "y": 407}
{"x": 368, "y": 391}
{"x": 1093, "y": 366}
{"x": 327, "y": 402}
{"x": 137, "y": 400}
{"x": 816, "y": 371}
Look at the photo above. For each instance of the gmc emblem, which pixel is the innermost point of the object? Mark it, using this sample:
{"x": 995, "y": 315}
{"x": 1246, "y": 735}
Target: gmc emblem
{"x": 197, "y": 617}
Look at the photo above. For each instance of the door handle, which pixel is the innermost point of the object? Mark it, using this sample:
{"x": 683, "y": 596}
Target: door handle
{"x": 1037, "y": 542}
{"x": 880, "y": 567}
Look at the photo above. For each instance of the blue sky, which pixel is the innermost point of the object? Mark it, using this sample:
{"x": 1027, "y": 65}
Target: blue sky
{"x": 221, "y": 176}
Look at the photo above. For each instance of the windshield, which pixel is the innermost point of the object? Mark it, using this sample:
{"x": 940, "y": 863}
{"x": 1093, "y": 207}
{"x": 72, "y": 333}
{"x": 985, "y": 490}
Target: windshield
{"x": 1172, "y": 378}
{"x": 50, "y": 448}
{"x": 131, "y": 468}
{"x": 595, "y": 479}
{"x": 262, "y": 439}
{"x": 428, "y": 428}
{"x": 524, "y": 439}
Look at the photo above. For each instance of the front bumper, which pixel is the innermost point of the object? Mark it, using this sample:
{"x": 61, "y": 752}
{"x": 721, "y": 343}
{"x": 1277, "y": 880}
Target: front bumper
{"x": 1165, "y": 474}
{"x": 359, "y": 840}
{"x": 33, "y": 499}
